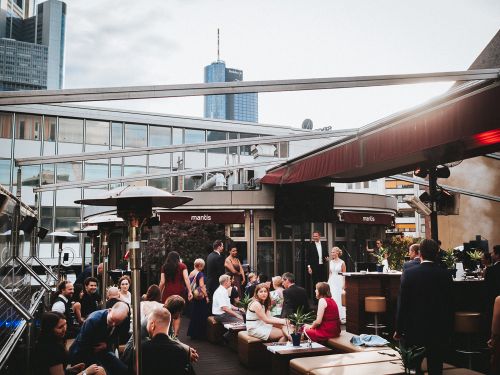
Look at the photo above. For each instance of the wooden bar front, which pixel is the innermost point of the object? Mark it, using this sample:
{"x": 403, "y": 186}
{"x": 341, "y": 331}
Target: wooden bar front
{"x": 360, "y": 285}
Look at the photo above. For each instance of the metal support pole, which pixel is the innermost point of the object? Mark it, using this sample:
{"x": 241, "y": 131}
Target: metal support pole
{"x": 59, "y": 261}
{"x": 92, "y": 254}
{"x": 136, "y": 265}
{"x": 17, "y": 218}
{"x": 433, "y": 195}
{"x": 105, "y": 252}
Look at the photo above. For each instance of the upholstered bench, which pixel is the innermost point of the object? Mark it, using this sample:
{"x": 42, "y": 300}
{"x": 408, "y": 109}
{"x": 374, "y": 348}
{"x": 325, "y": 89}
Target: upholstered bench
{"x": 251, "y": 351}
{"x": 342, "y": 344}
{"x": 215, "y": 330}
{"x": 305, "y": 366}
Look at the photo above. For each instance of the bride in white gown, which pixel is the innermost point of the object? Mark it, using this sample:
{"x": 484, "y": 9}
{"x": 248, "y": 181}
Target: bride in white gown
{"x": 337, "y": 281}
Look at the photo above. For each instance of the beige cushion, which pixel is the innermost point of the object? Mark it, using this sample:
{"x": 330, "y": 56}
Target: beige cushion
{"x": 342, "y": 344}
{"x": 375, "y": 304}
{"x": 467, "y": 322}
{"x": 251, "y": 351}
{"x": 460, "y": 371}
{"x": 307, "y": 365}
{"x": 388, "y": 367}
{"x": 244, "y": 336}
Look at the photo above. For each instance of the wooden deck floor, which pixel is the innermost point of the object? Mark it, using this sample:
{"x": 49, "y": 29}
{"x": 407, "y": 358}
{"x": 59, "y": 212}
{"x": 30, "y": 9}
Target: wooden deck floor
{"x": 215, "y": 359}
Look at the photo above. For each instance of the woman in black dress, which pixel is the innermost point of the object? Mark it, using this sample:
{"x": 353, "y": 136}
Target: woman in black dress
{"x": 199, "y": 309}
{"x": 51, "y": 357}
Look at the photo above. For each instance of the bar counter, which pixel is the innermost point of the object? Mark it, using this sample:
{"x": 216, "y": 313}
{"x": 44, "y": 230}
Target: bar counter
{"x": 468, "y": 295}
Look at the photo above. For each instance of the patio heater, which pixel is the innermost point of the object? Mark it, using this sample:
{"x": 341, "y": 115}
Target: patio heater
{"x": 60, "y": 237}
{"x": 135, "y": 205}
{"x": 105, "y": 224}
{"x": 92, "y": 231}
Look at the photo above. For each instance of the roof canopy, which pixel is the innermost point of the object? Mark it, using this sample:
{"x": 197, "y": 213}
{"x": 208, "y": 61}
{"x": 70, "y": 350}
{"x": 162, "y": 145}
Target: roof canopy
{"x": 460, "y": 124}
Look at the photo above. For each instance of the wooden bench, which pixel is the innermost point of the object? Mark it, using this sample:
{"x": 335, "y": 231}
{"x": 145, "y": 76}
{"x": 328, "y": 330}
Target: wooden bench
{"x": 215, "y": 330}
{"x": 251, "y": 351}
{"x": 305, "y": 366}
{"x": 342, "y": 344}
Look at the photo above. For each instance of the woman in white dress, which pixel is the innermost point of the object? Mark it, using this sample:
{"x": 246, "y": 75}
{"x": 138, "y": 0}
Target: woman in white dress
{"x": 124, "y": 286}
{"x": 337, "y": 281}
{"x": 259, "y": 322}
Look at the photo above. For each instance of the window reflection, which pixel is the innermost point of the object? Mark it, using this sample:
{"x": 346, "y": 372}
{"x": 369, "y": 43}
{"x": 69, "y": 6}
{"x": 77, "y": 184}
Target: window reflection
{"x": 67, "y": 172}
{"x": 194, "y": 136}
{"x": 160, "y": 136}
{"x": 49, "y": 129}
{"x": 28, "y": 127}
{"x": 5, "y": 172}
{"x": 135, "y": 135}
{"x": 265, "y": 258}
{"x": 70, "y": 130}
{"x": 117, "y": 134}
{"x": 97, "y": 132}
{"x": 6, "y": 125}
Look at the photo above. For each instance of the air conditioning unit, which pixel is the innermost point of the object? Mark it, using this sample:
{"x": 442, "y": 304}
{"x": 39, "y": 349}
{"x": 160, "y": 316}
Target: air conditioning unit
{"x": 418, "y": 205}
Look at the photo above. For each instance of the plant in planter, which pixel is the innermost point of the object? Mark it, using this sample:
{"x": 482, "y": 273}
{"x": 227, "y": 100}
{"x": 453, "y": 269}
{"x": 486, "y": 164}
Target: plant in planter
{"x": 449, "y": 258}
{"x": 298, "y": 319}
{"x": 381, "y": 256}
{"x": 475, "y": 256}
{"x": 243, "y": 303}
{"x": 411, "y": 357}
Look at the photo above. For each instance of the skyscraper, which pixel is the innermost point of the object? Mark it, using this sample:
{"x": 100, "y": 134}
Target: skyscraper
{"x": 32, "y": 46}
{"x": 240, "y": 107}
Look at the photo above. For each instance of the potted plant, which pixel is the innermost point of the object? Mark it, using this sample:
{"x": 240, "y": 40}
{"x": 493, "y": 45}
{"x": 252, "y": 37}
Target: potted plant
{"x": 411, "y": 357}
{"x": 475, "y": 256}
{"x": 298, "y": 319}
{"x": 243, "y": 303}
{"x": 450, "y": 259}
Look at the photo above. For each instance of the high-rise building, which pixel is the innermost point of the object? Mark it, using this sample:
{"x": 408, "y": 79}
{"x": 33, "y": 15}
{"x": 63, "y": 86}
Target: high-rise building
{"x": 32, "y": 45}
{"x": 240, "y": 107}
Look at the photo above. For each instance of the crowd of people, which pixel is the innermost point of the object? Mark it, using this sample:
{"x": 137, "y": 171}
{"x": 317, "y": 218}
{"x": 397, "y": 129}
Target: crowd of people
{"x": 216, "y": 287}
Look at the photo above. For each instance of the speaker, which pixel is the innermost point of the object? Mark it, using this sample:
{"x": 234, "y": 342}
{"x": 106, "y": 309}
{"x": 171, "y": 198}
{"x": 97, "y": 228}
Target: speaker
{"x": 42, "y": 232}
{"x": 65, "y": 257}
{"x": 28, "y": 223}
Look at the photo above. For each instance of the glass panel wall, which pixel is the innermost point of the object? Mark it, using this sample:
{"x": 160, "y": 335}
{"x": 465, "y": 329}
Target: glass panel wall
{"x": 194, "y": 136}
{"x": 49, "y": 135}
{"x": 117, "y": 134}
{"x": 265, "y": 258}
{"x": 135, "y": 135}
{"x": 160, "y": 136}
{"x": 70, "y": 130}
{"x": 5, "y": 172}
{"x": 28, "y": 127}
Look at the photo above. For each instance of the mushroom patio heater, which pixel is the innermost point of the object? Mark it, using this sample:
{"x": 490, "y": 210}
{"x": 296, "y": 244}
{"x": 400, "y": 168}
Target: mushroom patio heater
{"x": 135, "y": 205}
{"x": 92, "y": 231}
{"x": 60, "y": 237}
{"x": 105, "y": 224}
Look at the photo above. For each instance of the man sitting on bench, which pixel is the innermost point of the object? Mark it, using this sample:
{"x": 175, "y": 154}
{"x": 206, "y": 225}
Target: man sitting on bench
{"x": 222, "y": 309}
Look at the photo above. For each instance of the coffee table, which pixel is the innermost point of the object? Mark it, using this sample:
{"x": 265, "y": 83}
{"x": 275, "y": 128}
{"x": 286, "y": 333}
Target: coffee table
{"x": 280, "y": 358}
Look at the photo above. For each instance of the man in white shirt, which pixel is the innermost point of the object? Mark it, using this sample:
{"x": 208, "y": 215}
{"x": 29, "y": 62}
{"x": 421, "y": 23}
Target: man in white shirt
{"x": 222, "y": 309}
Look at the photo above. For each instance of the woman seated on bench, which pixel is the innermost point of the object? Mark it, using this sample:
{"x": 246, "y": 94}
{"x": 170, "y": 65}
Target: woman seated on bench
{"x": 327, "y": 323}
{"x": 259, "y": 322}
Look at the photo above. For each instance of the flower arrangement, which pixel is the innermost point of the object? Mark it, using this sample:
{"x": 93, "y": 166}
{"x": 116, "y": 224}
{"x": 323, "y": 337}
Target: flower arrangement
{"x": 380, "y": 255}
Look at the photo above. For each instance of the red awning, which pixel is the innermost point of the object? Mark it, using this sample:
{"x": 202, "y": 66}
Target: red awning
{"x": 462, "y": 125}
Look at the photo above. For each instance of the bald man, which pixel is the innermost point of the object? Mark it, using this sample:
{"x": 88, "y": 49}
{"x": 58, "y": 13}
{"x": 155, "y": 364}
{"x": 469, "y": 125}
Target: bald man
{"x": 93, "y": 343}
{"x": 161, "y": 354}
{"x": 414, "y": 254}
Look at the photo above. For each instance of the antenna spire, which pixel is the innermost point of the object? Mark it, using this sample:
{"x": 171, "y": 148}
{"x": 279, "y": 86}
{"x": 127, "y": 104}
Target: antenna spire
{"x": 218, "y": 44}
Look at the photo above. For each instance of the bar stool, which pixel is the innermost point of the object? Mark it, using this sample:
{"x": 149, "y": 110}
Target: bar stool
{"x": 468, "y": 323}
{"x": 376, "y": 305}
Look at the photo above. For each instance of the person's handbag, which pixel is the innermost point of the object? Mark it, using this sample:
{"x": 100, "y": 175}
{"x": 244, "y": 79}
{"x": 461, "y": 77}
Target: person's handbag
{"x": 196, "y": 290}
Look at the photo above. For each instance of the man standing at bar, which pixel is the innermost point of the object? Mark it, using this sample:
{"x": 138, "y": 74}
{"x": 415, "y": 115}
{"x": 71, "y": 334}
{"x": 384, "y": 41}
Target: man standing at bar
{"x": 414, "y": 254}
{"x": 316, "y": 258}
{"x": 425, "y": 312}
{"x": 215, "y": 267}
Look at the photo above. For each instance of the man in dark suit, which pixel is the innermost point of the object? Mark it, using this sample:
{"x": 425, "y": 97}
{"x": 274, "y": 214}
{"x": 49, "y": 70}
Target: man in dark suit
{"x": 425, "y": 311}
{"x": 316, "y": 259}
{"x": 414, "y": 253}
{"x": 161, "y": 354}
{"x": 215, "y": 267}
{"x": 293, "y": 296}
{"x": 99, "y": 331}
{"x": 492, "y": 282}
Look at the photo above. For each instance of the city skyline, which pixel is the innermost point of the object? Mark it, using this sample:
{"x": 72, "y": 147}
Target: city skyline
{"x": 268, "y": 41}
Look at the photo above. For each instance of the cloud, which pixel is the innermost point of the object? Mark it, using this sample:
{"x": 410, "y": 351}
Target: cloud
{"x": 117, "y": 43}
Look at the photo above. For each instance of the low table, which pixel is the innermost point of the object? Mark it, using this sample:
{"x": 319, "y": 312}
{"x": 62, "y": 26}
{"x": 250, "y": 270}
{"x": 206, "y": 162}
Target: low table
{"x": 233, "y": 329}
{"x": 281, "y": 354}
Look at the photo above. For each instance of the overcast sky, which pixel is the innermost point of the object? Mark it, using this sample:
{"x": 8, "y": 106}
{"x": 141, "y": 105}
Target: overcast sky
{"x": 156, "y": 42}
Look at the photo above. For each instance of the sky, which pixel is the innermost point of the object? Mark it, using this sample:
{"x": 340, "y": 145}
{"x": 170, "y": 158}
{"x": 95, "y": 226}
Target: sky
{"x": 161, "y": 42}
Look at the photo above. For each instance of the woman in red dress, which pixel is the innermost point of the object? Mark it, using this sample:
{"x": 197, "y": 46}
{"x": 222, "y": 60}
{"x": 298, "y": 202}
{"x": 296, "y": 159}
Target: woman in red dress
{"x": 327, "y": 323}
{"x": 174, "y": 280}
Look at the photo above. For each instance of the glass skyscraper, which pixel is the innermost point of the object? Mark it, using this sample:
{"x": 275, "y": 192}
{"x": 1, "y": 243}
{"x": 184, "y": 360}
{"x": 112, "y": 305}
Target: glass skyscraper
{"x": 32, "y": 47}
{"x": 239, "y": 107}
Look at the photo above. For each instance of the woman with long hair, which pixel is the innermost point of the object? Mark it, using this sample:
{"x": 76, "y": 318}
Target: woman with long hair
{"x": 77, "y": 303}
{"x": 336, "y": 280}
{"x": 259, "y": 322}
{"x": 327, "y": 323}
{"x": 175, "y": 305}
{"x": 51, "y": 357}
{"x": 174, "y": 278}
{"x": 124, "y": 286}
